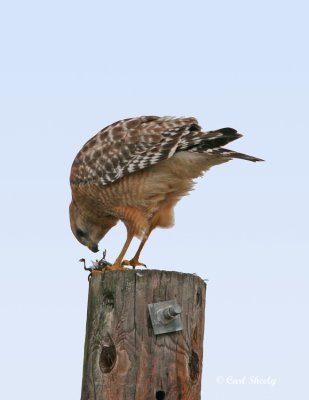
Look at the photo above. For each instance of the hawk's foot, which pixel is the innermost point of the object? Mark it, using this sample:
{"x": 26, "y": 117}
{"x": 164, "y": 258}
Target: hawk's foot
{"x": 115, "y": 267}
{"x": 133, "y": 263}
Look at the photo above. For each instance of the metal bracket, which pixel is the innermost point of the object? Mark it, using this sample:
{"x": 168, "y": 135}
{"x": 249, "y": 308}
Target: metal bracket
{"x": 165, "y": 317}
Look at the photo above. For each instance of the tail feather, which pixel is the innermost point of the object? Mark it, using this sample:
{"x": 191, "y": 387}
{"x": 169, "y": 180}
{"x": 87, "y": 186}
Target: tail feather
{"x": 201, "y": 141}
{"x": 219, "y": 138}
{"x": 229, "y": 154}
{"x": 212, "y": 142}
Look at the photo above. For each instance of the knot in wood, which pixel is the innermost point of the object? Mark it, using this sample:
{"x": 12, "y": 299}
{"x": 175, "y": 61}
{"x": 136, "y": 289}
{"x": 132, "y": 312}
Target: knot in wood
{"x": 199, "y": 299}
{"x": 108, "y": 301}
{"x": 160, "y": 395}
{"x": 108, "y": 357}
{"x": 194, "y": 366}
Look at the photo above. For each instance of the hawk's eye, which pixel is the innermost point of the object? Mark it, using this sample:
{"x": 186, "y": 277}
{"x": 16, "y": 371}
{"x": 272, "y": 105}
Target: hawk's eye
{"x": 80, "y": 233}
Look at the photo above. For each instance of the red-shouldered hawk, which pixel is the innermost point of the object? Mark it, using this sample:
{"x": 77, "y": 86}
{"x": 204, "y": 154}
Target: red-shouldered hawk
{"x": 136, "y": 170}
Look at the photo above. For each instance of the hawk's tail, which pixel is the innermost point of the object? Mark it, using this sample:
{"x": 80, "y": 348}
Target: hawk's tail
{"x": 212, "y": 141}
{"x": 233, "y": 154}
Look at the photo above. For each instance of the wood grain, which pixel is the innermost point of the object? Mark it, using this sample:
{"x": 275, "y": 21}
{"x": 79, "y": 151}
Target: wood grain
{"x": 123, "y": 359}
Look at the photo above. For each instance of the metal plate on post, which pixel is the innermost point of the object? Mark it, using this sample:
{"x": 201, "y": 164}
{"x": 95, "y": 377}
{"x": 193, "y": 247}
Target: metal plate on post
{"x": 165, "y": 317}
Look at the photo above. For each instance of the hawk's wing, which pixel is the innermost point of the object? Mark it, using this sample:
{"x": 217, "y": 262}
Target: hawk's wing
{"x": 131, "y": 145}
{"x": 136, "y": 143}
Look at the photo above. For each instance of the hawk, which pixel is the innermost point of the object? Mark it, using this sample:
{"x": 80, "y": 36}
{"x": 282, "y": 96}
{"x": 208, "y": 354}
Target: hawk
{"x": 135, "y": 171}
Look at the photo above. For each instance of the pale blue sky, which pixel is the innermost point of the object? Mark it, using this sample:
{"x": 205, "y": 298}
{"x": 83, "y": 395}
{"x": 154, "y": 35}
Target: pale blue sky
{"x": 70, "y": 68}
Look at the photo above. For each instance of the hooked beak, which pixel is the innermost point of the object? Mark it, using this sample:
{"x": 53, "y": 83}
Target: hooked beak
{"x": 94, "y": 248}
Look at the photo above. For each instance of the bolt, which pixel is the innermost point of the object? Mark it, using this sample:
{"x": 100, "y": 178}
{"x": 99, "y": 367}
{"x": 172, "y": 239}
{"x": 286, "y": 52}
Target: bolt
{"x": 171, "y": 312}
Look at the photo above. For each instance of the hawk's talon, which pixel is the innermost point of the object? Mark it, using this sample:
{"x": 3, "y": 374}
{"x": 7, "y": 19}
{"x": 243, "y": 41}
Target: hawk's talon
{"x": 133, "y": 263}
{"x": 116, "y": 268}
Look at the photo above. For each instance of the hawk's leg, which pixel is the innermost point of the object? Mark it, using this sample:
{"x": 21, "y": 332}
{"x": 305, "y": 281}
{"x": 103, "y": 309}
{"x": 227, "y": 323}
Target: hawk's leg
{"x": 134, "y": 262}
{"x": 118, "y": 263}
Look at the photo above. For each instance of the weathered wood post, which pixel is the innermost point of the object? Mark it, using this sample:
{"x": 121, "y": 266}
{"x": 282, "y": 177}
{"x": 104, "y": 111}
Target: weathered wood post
{"x": 124, "y": 359}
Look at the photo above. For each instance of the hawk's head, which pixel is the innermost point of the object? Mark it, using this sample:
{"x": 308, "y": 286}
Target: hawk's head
{"x": 87, "y": 231}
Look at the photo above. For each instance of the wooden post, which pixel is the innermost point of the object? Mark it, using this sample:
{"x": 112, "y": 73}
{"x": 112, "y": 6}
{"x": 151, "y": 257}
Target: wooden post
{"x": 123, "y": 358}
